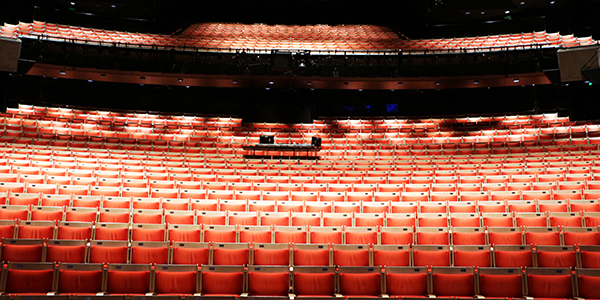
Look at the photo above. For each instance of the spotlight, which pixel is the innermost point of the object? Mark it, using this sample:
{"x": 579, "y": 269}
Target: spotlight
{"x": 271, "y": 82}
{"x": 467, "y": 12}
{"x": 180, "y": 79}
{"x": 62, "y": 72}
{"x": 516, "y": 80}
{"x": 476, "y": 82}
{"x": 89, "y": 80}
{"x": 437, "y": 83}
{"x": 309, "y": 83}
{"x": 507, "y": 12}
{"x": 552, "y": 2}
{"x": 234, "y": 82}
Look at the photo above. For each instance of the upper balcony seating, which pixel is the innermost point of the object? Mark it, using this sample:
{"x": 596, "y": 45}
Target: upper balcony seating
{"x": 263, "y": 37}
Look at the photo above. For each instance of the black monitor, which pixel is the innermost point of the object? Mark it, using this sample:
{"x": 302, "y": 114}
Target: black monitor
{"x": 316, "y": 141}
{"x": 267, "y": 139}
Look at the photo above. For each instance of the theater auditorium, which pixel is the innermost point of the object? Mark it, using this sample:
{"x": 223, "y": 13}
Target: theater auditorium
{"x": 308, "y": 149}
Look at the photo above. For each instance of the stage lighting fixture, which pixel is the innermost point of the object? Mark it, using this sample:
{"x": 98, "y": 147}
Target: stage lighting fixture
{"x": 516, "y": 80}
{"x": 180, "y": 79}
{"x": 62, "y": 72}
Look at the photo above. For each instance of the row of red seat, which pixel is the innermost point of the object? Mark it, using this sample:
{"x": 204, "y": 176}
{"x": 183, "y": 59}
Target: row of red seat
{"x": 299, "y": 282}
{"x": 300, "y": 234}
{"x": 282, "y": 254}
{"x": 404, "y": 216}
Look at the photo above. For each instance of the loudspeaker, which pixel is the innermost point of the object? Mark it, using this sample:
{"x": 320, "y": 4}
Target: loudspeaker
{"x": 281, "y": 61}
{"x": 316, "y": 141}
{"x": 267, "y": 139}
{"x": 572, "y": 62}
{"x": 10, "y": 50}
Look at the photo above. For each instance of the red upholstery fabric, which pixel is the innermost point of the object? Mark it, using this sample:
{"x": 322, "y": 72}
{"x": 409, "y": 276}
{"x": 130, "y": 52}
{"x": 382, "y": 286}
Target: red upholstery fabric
{"x": 29, "y": 281}
{"x": 472, "y": 258}
{"x": 588, "y": 287}
{"x": 317, "y": 237}
{"x": 230, "y": 256}
{"x": 149, "y": 255}
{"x": 547, "y": 259}
{"x": 128, "y": 282}
{"x": 296, "y": 237}
{"x": 513, "y": 259}
{"x": 582, "y": 238}
{"x": 433, "y": 238}
{"x": 439, "y": 258}
{"x": 148, "y": 235}
{"x": 66, "y": 254}
{"x": 406, "y": 284}
{"x": 111, "y": 234}
{"x": 391, "y": 258}
{"x": 549, "y": 286}
{"x": 500, "y": 285}
{"x": 78, "y": 282}
{"x": 360, "y": 284}
{"x": 271, "y": 257}
{"x": 351, "y": 257}
{"x": 396, "y": 238}
{"x": 99, "y": 254}
{"x": 453, "y": 284}
{"x": 542, "y": 238}
{"x": 180, "y": 283}
{"x": 21, "y": 253}
{"x": 74, "y": 233}
{"x": 222, "y": 283}
{"x": 311, "y": 257}
{"x": 36, "y": 232}
{"x": 589, "y": 259}
{"x": 255, "y": 236}
{"x": 308, "y": 284}
{"x": 190, "y": 256}
{"x": 268, "y": 284}
{"x": 7, "y": 231}
{"x": 220, "y": 236}
{"x": 361, "y": 238}
{"x": 505, "y": 238}
{"x": 468, "y": 238}
{"x": 184, "y": 235}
